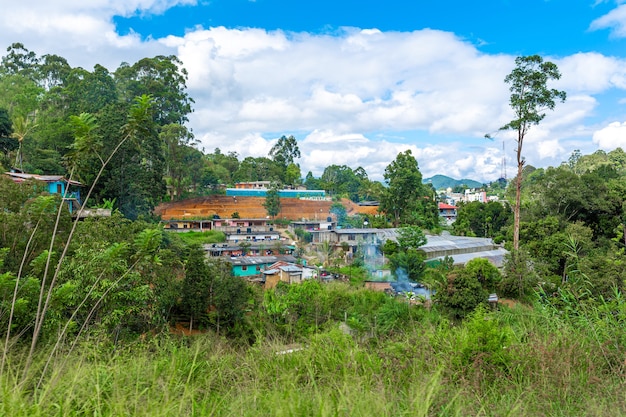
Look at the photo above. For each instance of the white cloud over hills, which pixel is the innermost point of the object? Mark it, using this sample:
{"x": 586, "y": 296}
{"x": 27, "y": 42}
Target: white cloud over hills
{"x": 356, "y": 97}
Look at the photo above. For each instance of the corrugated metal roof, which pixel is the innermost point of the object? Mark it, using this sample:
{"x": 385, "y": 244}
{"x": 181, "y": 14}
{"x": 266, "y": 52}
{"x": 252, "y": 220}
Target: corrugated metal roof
{"x": 495, "y": 256}
{"x": 45, "y": 178}
{"x": 290, "y": 268}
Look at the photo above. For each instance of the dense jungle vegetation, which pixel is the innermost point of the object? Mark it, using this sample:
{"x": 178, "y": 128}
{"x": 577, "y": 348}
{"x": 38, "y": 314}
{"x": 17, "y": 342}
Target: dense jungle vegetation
{"x": 95, "y": 314}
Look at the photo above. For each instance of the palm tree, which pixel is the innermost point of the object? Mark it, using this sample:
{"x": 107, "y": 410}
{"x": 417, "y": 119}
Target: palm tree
{"x": 22, "y": 126}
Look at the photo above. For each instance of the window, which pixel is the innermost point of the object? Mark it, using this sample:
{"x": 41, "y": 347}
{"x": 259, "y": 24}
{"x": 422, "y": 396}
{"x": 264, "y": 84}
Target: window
{"x": 244, "y": 267}
{"x": 258, "y": 268}
{"x": 351, "y": 237}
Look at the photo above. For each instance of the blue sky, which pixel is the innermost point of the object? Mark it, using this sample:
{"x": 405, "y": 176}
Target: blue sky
{"x": 359, "y": 81}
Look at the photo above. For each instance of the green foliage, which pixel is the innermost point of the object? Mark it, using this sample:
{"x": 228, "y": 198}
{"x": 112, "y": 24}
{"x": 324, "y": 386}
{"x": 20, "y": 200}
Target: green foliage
{"x": 530, "y": 97}
{"x": 406, "y": 199}
{"x": 389, "y": 247}
{"x": 201, "y": 238}
{"x": 343, "y": 181}
{"x": 183, "y": 162}
{"x": 272, "y": 202}
{"x": 197, "y": 284}
{"x": 304, "y": 235}
{"x": 484, "y": 344}
{"x": 411, "y": 237}
{"x": 258, "y": 169}
{"x": 485, "y": 272}
{"x": 7, "y": 142}
{"x": 482, "y": 219}
{"x": 230, "y": 296}
{"x": 407, "y": 264}
{"x": 285, "y": 151}
{"x": 520, "y": 279}
{"x": 461, "y": 294}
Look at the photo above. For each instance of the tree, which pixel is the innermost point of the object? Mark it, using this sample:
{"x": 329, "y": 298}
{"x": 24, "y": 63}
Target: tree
{"x": 411, "y": 237}
{"x": 196, "y": 288}
{"x": 408, "y": 264}
{"x": 341, "y": 180}
{"x": 258, "y": 169}
{"x": 482, "y": 219}
{"x": 272, "y": 202}
{"x": 405, "y": 194}
{"x": 312, "y": 183}
{"x": 22, "y": 127}
{"x": 461, "y": 294}
{"x": 229, "y": 296}
{"x": 162, "y": 77}
{"x": 178, "y": 151}
{"x": 485, "y": 272}
{"x": 519, "y": 278}
{"x": 293, "y": 176}
{"x": 20, "y": 60}
{"x": 7, "y": 142}
{"x": 530, "y": 97}
{"x": 285, "y": 151}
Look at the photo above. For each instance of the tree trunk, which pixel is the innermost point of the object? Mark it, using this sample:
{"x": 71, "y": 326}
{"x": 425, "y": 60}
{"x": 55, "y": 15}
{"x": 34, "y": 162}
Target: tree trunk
{"x": 518, "y": 191}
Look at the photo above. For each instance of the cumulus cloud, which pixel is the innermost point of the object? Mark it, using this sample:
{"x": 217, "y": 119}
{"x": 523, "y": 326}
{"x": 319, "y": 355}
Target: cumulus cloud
{"x": 611, "y": 136}
{"x": 355, "y": 97}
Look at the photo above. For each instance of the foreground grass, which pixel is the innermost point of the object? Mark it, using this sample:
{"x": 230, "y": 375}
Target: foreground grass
{"x": 515, "y": 363}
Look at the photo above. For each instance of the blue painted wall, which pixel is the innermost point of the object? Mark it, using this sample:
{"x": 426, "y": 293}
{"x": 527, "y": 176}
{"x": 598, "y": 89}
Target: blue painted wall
{"x": 243, "y": 192}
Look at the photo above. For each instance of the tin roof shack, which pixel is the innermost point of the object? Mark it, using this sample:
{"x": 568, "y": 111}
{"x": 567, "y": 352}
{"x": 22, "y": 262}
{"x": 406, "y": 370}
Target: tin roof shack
{"x": 56, "y": 184}
{"x": 281, "y": 271}
{"x": 253, "y": 266}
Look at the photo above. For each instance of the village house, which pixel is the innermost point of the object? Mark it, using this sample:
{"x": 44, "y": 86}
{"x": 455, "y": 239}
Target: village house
{"x": 448, "y": 212}
{"x": 253, "y": 266}
{"x": 259, "y": 248}
{"x": 56, "y": 184}
{"x": 313, "y": 225}
{"x": 287, "y": 272}
{"x": 69, "y": 190}
{"x": 228, "y": 226}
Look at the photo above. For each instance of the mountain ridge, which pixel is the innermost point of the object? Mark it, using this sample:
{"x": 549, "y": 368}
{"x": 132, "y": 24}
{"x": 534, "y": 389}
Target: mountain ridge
{"x": 443, "y": 182}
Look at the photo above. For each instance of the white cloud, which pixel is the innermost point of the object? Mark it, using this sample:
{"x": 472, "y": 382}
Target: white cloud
{"x": 357, "y": 97}
{"x": 611, "y": 136}
{"x": 591, "y": 72}
{"x": 614, "y": 20}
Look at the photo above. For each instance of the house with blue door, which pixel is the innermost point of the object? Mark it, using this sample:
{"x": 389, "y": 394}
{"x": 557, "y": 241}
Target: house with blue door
{"x": 56, "y": 184}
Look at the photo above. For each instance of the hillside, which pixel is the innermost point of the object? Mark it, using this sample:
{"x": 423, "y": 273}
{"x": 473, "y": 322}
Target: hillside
{"x": 443, "y": 182}
{"x": 252, "y": 208}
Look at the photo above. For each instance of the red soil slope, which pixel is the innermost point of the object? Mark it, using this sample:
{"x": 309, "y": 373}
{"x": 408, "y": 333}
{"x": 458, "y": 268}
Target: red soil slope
{"x": 252, "y": 208}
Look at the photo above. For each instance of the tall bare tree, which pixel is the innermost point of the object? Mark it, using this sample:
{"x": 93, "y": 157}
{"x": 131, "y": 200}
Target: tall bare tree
{"x": 530, "y": 97}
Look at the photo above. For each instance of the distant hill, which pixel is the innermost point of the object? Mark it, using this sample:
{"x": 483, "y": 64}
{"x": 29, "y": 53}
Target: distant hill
{"x": 443, "y": 182}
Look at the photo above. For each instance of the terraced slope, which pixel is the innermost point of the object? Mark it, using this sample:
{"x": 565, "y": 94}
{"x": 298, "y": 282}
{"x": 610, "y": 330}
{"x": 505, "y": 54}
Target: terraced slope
{"x": 252, "y": 208}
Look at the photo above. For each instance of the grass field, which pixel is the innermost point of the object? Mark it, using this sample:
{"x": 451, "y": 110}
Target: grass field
{"x": 514, "y": 362}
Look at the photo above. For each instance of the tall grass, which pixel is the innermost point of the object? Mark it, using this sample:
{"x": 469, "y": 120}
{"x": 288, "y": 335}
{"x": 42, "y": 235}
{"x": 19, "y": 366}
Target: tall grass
{"x": 432, "y": 367}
